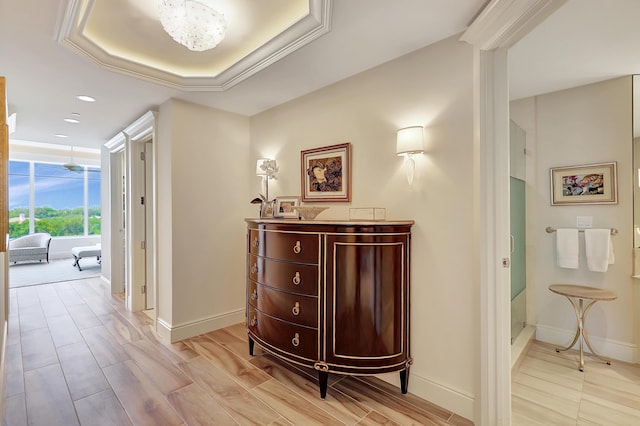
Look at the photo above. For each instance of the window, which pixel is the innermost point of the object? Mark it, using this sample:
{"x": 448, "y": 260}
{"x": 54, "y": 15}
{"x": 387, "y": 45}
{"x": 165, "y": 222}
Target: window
{"x": 47, "y": 197}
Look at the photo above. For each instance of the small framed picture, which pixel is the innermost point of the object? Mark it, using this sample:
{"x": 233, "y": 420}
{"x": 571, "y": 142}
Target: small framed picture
{"x": 586, "y": 184}
{"x": 285, "y": 207}
{"x": 326, "y": 173}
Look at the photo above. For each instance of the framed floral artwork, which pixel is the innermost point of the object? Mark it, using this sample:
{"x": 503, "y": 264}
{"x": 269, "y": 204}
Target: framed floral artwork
{"x": 585, "y": 184}
{"x": 326, "y": 173}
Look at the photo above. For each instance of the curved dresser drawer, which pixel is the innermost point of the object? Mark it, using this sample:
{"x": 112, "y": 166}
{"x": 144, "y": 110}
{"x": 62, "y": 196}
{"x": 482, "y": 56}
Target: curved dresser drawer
{"x": 293, "y": 277}
{"x": 290, "y": 307}
{"x": 292, "y": 247}
{"x": 281, "y": 336}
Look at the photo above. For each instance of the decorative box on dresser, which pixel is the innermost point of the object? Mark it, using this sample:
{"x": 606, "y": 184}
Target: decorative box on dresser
{"x": 331, "y": 295}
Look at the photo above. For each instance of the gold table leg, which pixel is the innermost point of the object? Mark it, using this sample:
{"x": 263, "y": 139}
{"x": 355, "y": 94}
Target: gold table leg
{"x": 581, "y": 332}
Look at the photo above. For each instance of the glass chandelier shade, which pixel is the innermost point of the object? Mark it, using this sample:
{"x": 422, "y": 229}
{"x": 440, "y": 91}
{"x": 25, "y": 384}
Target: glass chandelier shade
{"x": 192, "y": 24}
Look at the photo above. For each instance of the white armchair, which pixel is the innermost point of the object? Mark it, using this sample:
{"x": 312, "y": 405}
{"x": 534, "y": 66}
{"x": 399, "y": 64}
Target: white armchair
{"x": 30, "y": 247}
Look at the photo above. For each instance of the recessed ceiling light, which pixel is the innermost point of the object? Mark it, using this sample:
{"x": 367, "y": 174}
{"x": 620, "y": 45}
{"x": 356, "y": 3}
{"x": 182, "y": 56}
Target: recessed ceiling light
{"x": 85, "y": 98}
{"x": 71, "y": 120}
{"x": 60, "y": 135}
{"x": 75, "y": 114}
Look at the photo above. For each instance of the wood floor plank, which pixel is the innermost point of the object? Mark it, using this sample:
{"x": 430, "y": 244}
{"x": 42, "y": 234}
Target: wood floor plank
{"x": 81, "y": 371}
{"x": 293, "y": 407}
{"x": 548, "y": 397}
{"x": 527, "y": 413}
{"x": 244, "y": 407}
{"x": 14, "y": 374}
{"x": 83, "y": 316}
{"x": 553, "y": 372}
{"x": 395, "y": 392}
{"x": 31, "y": 318}
{"x": 391, "y": 407}
{"x": 161, "y": 371}
{"x": 38, "y": 349}
{"x": 607, "y": 414}
{"x": 14, "y": 411}
{"x": 63, "y": 330}
{"x": 48, "y": 399}
{"x": 344, "y": 408}
{"x": 104, "y": 347}
{"x": 144, "y": 404}
{"x": 50, "y": 301}
{"x": 243, "y": 372}
{"x": 198, "y": 408}
{"x": 376, "y": 419}
{"x": 102, "y": 409}
{"x": 121, "y": 329}
{"x": 68, "y": 295}
{"x": 231, "y": 342}
{"x": 176, "y": 352}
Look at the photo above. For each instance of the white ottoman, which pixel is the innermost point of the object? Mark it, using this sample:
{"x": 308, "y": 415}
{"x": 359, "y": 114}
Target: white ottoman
{"x": 86, "y": 251}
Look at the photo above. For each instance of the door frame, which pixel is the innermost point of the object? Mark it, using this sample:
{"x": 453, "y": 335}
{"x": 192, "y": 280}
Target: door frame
{"x": 500, "y": 25}
{"x": 131, "y": 141}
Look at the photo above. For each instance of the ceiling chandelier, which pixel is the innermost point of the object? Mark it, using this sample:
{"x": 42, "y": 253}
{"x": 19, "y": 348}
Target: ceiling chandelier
{"x": 192, "y": 24}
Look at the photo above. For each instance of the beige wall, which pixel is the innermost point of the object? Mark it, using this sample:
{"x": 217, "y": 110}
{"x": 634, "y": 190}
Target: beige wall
{"x": 430, "y": 87}
{"x": 583, "y": 125}
{"x": 203, "y": 195}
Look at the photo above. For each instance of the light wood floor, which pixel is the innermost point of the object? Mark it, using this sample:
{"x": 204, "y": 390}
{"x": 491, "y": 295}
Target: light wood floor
{"x": 76, "y": 356}
{"x": 548, "y": 389}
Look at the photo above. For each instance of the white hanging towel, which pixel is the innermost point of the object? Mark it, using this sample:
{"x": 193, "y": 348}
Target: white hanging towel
{"x": 599, "y": 249}
{"x": 567, "y": 248}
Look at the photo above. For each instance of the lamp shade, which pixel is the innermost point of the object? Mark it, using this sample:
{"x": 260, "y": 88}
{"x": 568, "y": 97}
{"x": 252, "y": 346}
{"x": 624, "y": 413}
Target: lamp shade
{"x": 410, "y": 140}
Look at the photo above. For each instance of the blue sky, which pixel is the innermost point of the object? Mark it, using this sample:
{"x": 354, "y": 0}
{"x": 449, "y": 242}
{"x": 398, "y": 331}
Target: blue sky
{"x": 55, "y": 187}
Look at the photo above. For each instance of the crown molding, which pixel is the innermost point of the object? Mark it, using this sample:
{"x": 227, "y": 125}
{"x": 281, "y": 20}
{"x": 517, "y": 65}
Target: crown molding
{"x": 502, "y": 23}
{"x": 70, "y": 32}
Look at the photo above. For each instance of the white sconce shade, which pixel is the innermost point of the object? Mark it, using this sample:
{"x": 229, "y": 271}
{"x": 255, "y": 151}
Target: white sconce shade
{"x": 410, "y": 140}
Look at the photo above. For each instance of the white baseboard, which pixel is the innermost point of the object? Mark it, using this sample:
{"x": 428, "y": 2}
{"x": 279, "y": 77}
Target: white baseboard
{"x": 444, "y": 396}
{"x": 608, "y": 348}
{"x": 175, "y": 333}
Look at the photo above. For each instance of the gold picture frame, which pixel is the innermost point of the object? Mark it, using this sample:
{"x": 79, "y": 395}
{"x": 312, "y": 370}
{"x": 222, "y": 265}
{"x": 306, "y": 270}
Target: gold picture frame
{"x": 584, "y": 184}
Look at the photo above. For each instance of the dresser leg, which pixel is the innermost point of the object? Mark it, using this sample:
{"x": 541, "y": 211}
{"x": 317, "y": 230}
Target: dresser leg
{"x": 323, "y": 378}
{"x": 251, "y": 346}
{"x": 404, "y": 380}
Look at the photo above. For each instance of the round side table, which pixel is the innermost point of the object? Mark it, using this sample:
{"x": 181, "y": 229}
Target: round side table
{"x": 576, "y": 294}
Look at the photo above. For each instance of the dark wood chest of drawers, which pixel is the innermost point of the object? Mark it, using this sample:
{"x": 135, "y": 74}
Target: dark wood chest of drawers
{"x": 331, "y": 295}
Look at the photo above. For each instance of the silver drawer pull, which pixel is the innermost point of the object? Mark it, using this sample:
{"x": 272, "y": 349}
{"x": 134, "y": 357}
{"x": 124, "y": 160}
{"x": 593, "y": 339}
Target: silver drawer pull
{"x": 256, "y": 242}
{"x": 254, "y": 322}
{"x": 254, "y": 268}
{"x": 297, "y": 248}
{"x": 296, "y": 340}
{"x": 254, "y": 294}
{"x": 297, "y": 279}
{"x": 296, "y": 309}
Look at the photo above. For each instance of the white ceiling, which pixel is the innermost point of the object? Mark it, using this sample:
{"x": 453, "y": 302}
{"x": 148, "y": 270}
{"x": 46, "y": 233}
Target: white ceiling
{"x": 583, "y": 42}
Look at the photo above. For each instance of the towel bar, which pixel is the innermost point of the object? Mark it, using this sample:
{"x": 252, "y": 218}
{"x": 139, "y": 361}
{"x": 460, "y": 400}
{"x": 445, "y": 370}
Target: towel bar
{"x": 550, "y": 230}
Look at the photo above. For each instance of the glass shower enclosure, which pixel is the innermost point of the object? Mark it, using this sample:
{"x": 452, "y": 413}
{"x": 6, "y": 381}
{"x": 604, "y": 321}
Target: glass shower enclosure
{"x": 517, "y": 187}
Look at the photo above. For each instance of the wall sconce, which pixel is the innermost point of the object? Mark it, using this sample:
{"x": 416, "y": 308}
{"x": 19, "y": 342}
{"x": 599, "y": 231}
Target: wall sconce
{"x": 410, "y": 141}
{"x": 267, "y": 168}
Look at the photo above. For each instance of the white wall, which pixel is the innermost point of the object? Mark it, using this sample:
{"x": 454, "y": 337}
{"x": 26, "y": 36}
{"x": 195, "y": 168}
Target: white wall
{"x": 430, "y": 87}
{"x": 60, "y": 247}
{"x": 583, "y": 125}
{"x": 203, "y": 197}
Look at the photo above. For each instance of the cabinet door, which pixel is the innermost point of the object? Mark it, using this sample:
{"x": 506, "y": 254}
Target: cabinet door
{"x": 366, "y": 299}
